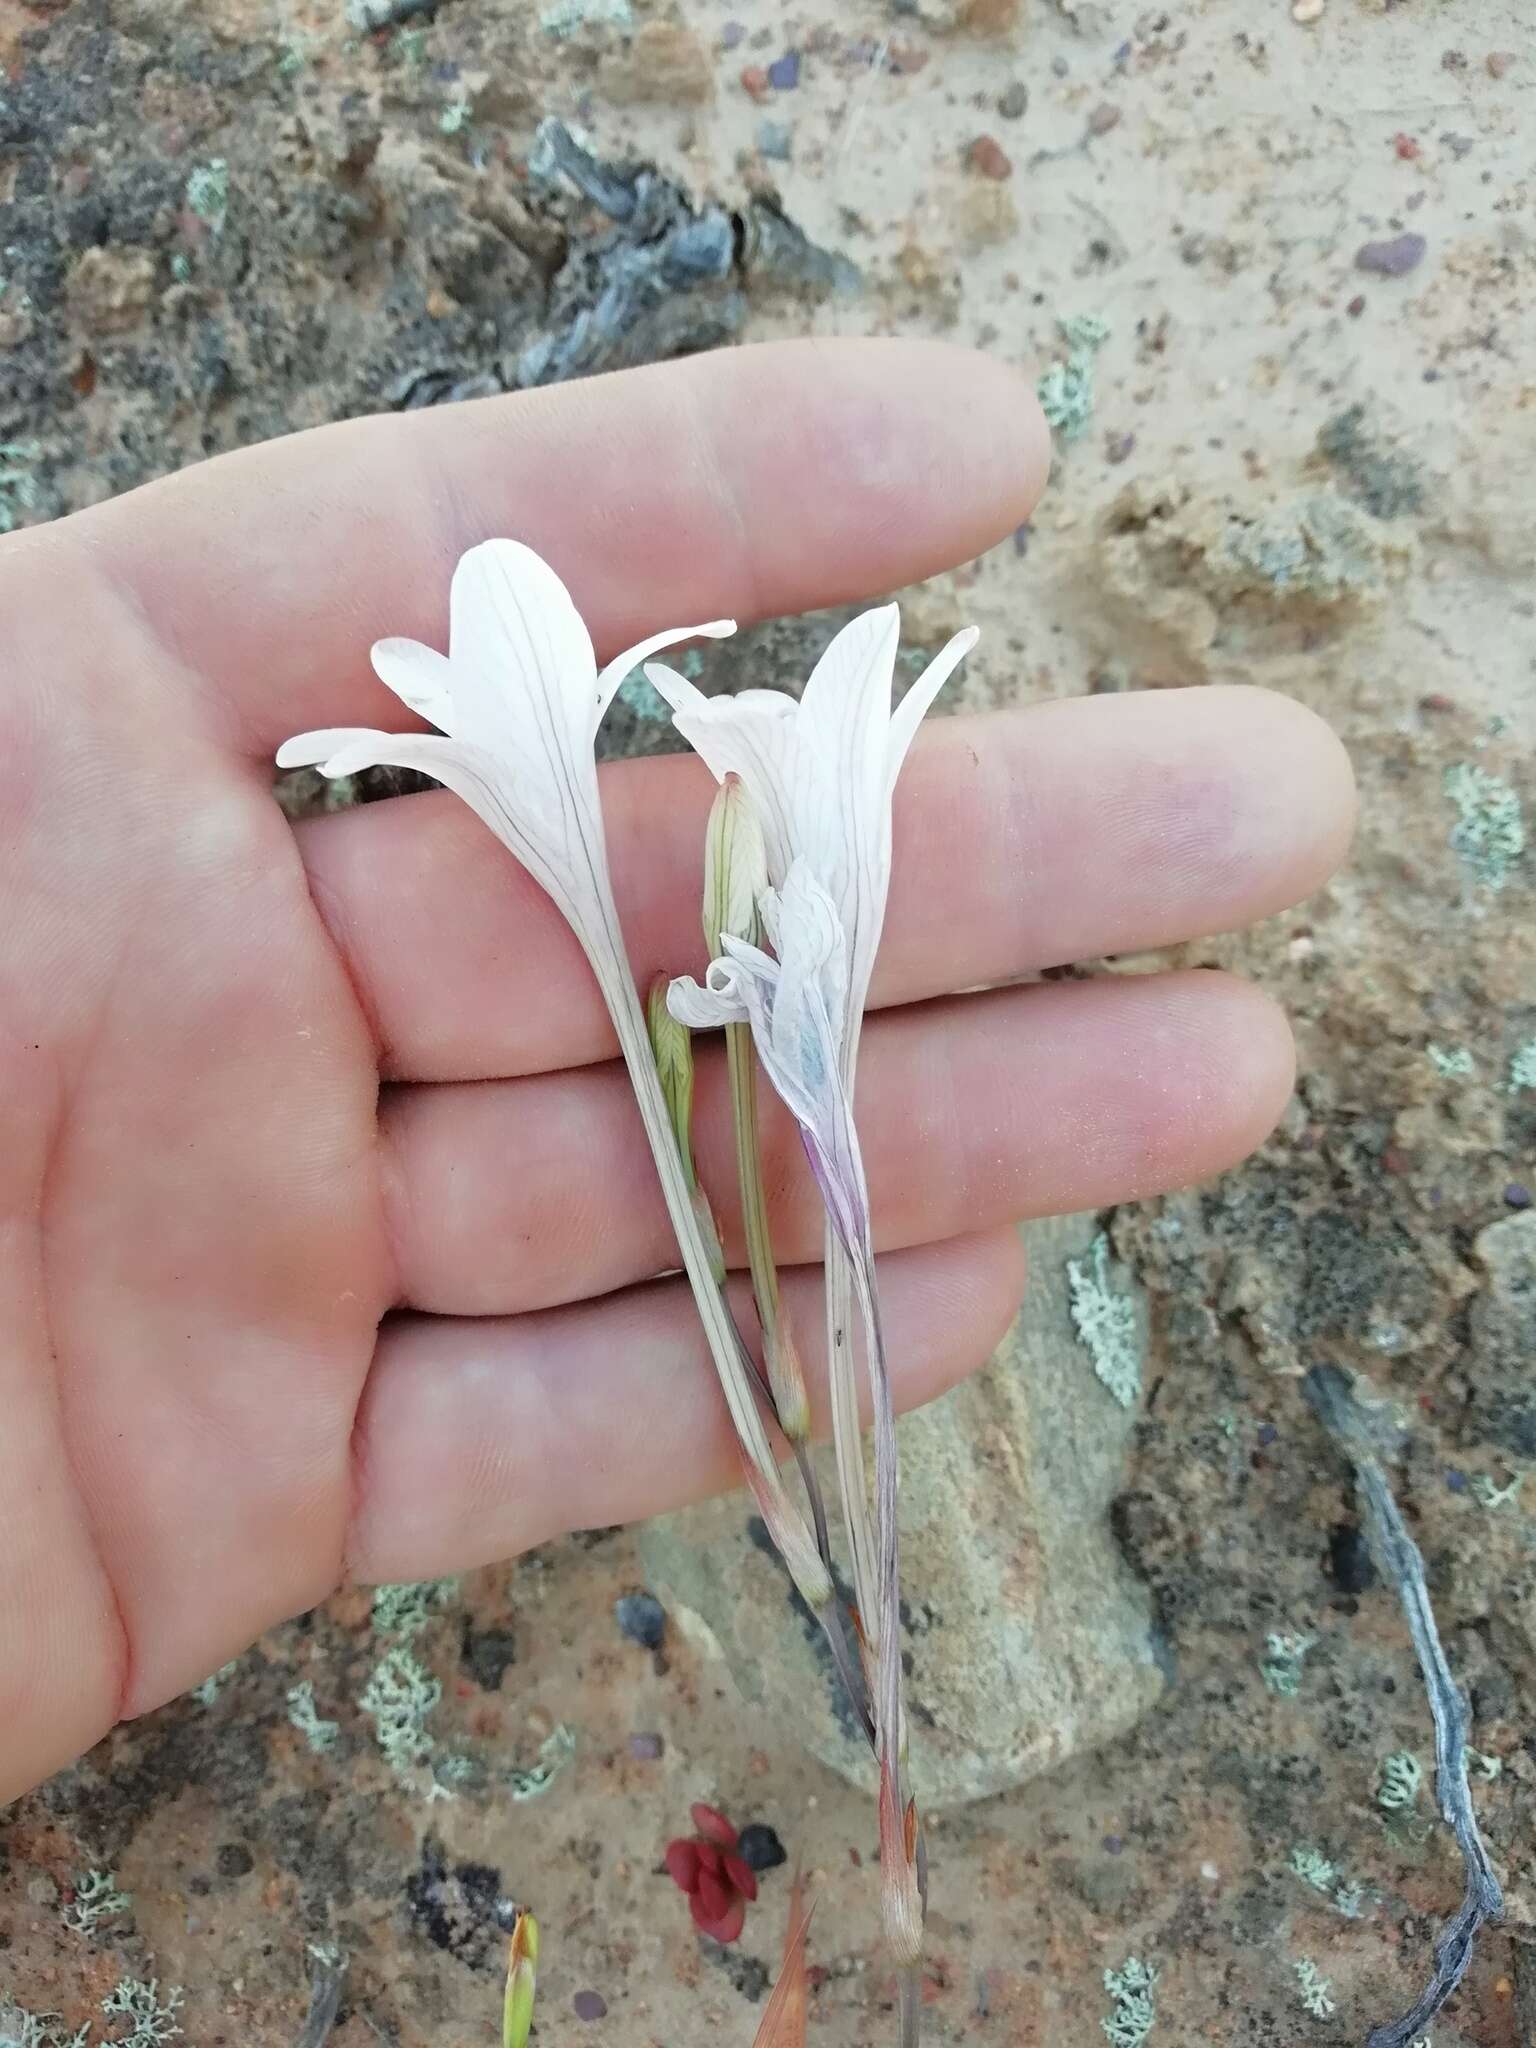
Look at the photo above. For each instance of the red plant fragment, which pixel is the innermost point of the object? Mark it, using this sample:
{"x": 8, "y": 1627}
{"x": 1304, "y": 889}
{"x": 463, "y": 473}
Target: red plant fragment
{"x": 717, "y": 1880}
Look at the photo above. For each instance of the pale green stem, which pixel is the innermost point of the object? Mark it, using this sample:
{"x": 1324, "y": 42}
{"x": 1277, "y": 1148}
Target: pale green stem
{"x": 732, "y": 1364}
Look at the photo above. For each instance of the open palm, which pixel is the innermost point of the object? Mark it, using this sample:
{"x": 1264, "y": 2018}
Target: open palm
{"x": 264, "y": 1088}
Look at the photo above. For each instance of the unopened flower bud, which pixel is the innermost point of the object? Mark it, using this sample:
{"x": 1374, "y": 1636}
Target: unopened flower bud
{"x": 672, "y": 1049}
{"x": 735, "y": 866}
{"x": 522, "y": 1964}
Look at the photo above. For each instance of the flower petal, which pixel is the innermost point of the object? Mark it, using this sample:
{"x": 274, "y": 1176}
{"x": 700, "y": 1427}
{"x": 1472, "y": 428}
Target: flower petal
{"x": 309, "y": 749}
{"x": 727, "y": 1925}
{"x": 753, "y": 735}
{"x": 704, "y": 1009}
{"x": 907, "y": 716}
{"x": 524, "y": 674}
{"x": 682, "y": 1861}
{"x": 741, "y": 1875}
{"x": 713, "y": 1825}
{"x": 419, "y": 676}
{"x": 616, "y": 670}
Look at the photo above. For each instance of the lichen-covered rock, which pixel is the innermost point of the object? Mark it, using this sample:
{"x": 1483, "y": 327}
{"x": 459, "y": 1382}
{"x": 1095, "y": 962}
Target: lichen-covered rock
{"x": 1029, "y": 1638}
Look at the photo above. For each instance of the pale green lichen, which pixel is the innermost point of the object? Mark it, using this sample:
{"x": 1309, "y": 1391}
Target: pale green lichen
{"x": 22, "y": 2029}
{"x": 1494, "y": 1497}
{"x": 1522, "y": 1067}
{"x": 405, "y": 1610}
{"x": 1066, "y": 390}
{"x": 319, "y": 1733}
{"x": 398, "y": 1698}
{"x": 1135, "y": 2012}
{"x": 1349, "y": 1899}
{"x": 1314, "y": 1868}
{"x": 455, "y": 116}
{"x": 151, "y": 2018}
{"x": 555, "y": 1752}
{"x": 1281, "y": 1668}
{"x": 1454, "y": 1062}
{"x": 206, "y": 1693}
{"x": 1401, "y": 1776}
{"x": 1487, "y": 1767}
{"x": 1316, "y": 1991}
{"x": 567, "y": 17}
{"x": 208, "y": 192}
{"x": 96, "y": 1899}
{"x": 1489, "y": 833}
{"x": 18, "y": 486}
{"x": 1318, "y": 547}
{"x": 1105, "y": 1323}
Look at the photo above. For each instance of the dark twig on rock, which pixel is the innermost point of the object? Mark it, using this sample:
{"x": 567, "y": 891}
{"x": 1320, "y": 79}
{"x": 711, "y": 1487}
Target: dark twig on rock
{"x": 1363, "y": 1434}
{"x": 324, "y": 1995}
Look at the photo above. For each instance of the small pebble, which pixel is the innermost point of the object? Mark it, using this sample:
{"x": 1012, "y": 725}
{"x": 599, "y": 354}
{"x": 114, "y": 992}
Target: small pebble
{"x": 1356, "y": 306}
{"x": 1307, "y": 11}
{"x": 1456, "y": 1481}
{"x": 1113, "y": 1845}
{"x": 987, "y": 155}
{"x": 1119, "y": 447}
{"x": 642, "y": 1618}
{"x": 1268, "y": 1433}
{"x": 732, "y": 34}
{"x": 1517, "y": 1196}
{"x": 1060, "y": 67}
{"x": 1497, "y": 62}
{"x": 760, "y": 1847}
{"x": 773, "y": 139}
{"x": 905, "y": 60}
{"x": 1394, "y": 258}
{"x": 784, "y": 72}
{"x": 1014, "y": 103}
{"x": 1407, "y": 147}
{"x": 1103, "y": 118}
{"x": 589, "y": 2005}
{"x": 1021, "y": 539}
{"x": 754, "y": 80}
{"x": 646, "y": 1748}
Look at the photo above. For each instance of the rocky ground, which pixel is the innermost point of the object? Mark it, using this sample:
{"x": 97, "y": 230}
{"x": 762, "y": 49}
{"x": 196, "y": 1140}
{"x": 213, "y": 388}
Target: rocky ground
{"x": 1275, "y": 264}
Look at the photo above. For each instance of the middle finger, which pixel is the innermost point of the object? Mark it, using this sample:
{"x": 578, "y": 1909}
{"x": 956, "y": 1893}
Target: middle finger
{"x": 507, "y": 1196}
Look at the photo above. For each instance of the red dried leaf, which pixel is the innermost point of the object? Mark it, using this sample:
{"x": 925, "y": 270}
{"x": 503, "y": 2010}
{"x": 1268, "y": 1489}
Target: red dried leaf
{"x": 713, "y": 1825}
{"x": 726, "y": 1926}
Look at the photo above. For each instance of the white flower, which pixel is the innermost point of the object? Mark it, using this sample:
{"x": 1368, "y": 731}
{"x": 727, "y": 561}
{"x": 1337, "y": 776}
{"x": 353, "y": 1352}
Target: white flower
{"x": 820, "y": 772}
{"x": 518, "y": 698}
{"x": 794, "y": 1005}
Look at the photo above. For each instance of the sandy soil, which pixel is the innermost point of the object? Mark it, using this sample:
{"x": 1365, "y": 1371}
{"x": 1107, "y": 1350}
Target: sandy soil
{"x": 1299, "y": 469}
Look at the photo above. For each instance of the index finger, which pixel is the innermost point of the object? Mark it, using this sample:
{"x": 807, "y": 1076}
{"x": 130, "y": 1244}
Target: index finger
{"x": 751, "y": 482}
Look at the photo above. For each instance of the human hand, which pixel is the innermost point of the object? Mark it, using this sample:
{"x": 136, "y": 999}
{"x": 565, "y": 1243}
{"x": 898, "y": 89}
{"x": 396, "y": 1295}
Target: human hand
{"x": 265, "y": 1087}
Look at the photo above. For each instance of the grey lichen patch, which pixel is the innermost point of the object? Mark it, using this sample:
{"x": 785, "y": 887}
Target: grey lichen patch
{"x": 1315, "y": 1990}
{"x": 1105, "y": 1322}
{"x": 1284, "y": 1656}
{"x": 1317, "y": 547}
{"x": 96, "y": 1899}
{"x": 206, "y": 1693}
{"x": 555, "y": 1752}
{"x": 399, "y": 1698}
{"x": 18, "y": 485}
{"x": 1489, "y": 832}
{"x": 1451, "y": 1062}
{"x": 1066, "y": 389}
{"x": 22, "y": 2029}
{"x": 151, "y": 2017}
{"x": 1385, "y": 482}
{"x": 404, "y": 1611}
{"x": 1401, "y": 1776}
{"x": 208, "y": 193}
{"x": 1133, "y": 2012}
{"x": 319, "y": 1733}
